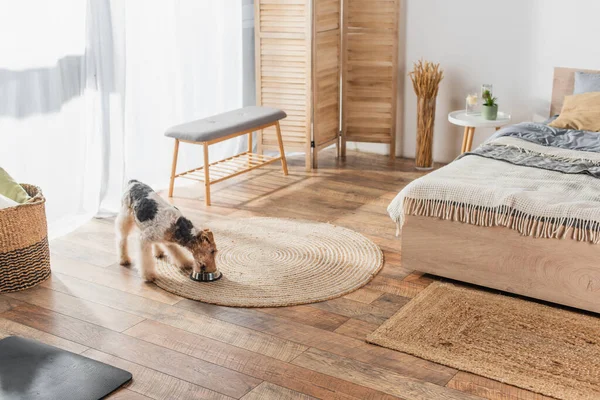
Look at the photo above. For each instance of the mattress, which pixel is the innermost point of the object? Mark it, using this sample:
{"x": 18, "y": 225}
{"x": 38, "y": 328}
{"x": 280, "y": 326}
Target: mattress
{"x": 540, "y": 181}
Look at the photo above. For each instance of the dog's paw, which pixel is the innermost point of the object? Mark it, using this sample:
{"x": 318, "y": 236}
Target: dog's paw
{"x": 159, "y": 253}
{"x": 150, "y": 277}
{"x": 125, "y": 262}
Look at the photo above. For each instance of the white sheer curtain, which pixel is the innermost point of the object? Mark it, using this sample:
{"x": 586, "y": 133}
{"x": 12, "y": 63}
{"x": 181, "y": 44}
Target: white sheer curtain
{"x": 87, "y": 91}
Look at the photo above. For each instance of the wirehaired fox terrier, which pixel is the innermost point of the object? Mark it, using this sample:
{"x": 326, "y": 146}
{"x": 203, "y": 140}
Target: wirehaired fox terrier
{"x": 162, "y": 228}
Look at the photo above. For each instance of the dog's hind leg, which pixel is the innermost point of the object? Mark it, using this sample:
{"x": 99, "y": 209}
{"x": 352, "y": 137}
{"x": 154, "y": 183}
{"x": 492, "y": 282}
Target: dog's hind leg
{"x": 179, "y": 256}
{"x": 147, "y": 261}
{"x": 123, "y": 226}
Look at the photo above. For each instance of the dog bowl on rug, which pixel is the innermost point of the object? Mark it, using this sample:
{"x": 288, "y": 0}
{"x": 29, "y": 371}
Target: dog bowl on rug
{"x": 206, "y": 276}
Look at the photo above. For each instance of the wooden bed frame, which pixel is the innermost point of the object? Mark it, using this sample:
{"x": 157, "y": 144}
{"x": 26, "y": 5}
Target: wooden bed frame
{"x": 560, "y": 271}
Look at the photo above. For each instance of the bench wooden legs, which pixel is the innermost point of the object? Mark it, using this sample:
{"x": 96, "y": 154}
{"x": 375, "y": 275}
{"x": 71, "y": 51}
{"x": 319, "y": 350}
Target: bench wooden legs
{"x": 206, "y": 172}
{"x": 249, "y": 147}
{"x": 228, "y": 167}
{"x": 281, "y": 151}
{"x": 173, "y": 168}
{"x": 206, "y": 175}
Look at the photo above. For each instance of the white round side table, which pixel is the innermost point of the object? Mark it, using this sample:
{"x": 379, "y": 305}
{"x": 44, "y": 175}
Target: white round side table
{"x": 472, "y": 121}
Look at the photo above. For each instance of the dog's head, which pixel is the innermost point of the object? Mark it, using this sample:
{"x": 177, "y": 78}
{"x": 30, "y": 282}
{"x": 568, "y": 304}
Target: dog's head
{"x": 204, "y": 250}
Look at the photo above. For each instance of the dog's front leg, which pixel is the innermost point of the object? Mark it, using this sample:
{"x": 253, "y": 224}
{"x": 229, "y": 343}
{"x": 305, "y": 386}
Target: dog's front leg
{"x": 147, "y": 261}
{"x": 158, "y": 250}
{"x": 178, "y": 256}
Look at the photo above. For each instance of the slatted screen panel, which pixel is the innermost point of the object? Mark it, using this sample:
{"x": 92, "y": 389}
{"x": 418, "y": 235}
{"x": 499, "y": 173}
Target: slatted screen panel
{"x": 283, "y": 68}
{"x": 370, "y": 61}
{"x": 304, "y": 53}
{"x": 326, "y": 73}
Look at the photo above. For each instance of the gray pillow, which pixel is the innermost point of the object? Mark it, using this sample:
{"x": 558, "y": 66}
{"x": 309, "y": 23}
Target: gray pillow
{"x": 586, "y": 82}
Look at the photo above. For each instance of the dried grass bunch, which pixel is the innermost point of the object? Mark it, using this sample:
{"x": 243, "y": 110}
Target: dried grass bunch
{"x": 426, "y": 77}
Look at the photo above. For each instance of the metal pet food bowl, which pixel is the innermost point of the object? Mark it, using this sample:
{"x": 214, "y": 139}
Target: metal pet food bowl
{"x": 206, "y": 276}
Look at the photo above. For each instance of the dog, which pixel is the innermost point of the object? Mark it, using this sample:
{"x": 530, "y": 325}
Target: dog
{"x": 162, "y": 228}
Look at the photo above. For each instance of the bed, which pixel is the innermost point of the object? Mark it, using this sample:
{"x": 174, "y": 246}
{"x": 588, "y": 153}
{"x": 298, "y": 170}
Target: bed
{"x": 520, "y": 214}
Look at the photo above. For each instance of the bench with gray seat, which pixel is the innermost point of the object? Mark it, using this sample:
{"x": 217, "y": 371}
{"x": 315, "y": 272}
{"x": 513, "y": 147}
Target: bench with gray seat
{"x": 222, "y": 127}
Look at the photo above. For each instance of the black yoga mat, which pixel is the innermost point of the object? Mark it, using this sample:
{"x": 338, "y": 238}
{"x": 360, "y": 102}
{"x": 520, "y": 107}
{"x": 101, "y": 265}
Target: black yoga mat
{"x": 32, "y": 370}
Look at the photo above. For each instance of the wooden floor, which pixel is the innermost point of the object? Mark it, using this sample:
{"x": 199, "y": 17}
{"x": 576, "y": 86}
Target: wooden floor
{"x": 181, "y": 349}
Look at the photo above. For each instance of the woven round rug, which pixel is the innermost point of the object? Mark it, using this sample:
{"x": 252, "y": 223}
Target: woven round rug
{"x": 273, "y": 262}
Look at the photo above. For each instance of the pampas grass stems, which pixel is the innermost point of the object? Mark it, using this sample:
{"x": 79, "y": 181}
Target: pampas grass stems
{"x": 426, "y": 78}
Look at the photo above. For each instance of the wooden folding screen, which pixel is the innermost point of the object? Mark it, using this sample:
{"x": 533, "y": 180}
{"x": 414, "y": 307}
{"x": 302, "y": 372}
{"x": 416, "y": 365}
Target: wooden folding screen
{"x": 283, "y": 33}
{"x": 299, "y": 66}
{"x": 370, "y": 65}
{"x": 326, "y": 75}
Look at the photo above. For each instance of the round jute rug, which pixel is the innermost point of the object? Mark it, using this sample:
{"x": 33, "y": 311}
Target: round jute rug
{"x": 273, "y": 262}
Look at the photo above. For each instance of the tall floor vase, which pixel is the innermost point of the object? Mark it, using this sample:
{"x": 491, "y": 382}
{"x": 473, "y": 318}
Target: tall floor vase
{"x": 425, "y": 122}
{"x": 426, "y": 77}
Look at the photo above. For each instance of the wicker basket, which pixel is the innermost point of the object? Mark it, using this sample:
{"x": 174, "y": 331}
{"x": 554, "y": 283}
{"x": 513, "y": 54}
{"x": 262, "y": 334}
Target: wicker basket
{"x": 24, "y": 252}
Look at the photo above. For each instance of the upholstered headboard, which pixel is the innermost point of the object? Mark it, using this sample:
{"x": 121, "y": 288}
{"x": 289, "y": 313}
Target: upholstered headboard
{"x": 564, "y": 83}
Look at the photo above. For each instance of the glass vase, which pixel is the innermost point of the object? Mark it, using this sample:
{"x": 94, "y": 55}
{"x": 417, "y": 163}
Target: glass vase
{"x": 487, "y": 87}
{"x": 471, "y": 103}
{"x": 425, "y": 123}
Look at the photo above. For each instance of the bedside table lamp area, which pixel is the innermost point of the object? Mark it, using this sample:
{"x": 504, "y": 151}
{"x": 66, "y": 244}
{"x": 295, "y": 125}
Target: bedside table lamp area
{"x": 473, "y": 121}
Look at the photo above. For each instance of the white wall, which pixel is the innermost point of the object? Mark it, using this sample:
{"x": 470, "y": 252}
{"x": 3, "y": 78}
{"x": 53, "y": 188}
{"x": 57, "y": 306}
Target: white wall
{"x": 512, "y": 44}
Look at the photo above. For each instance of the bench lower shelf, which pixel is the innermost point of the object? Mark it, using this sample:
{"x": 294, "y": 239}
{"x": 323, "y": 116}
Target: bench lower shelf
{"x": 229, "y": 167}
{"x": 221, "y": 170}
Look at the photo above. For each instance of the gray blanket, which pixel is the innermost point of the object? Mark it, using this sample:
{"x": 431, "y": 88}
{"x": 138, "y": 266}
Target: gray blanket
{"x": 544, "y": 135}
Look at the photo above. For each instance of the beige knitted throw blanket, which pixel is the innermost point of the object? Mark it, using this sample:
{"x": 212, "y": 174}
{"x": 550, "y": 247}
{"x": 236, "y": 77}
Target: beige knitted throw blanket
{"x": 488, "y": 192}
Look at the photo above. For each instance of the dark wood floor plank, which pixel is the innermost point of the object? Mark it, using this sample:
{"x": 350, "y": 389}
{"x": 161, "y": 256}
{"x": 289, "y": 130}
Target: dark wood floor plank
{"x": 191, "y": 369}
{"x": 354, "y": 309}
{"x": 261, "y": 367}
{"x": 78, "y": 308}
{"x": 206, "y": 326}
{"x": 11, "y": 328}
{"x": 419, "y": 278}
{"x": 309, "y": 316}
{"x": 364, "y": 295}
{"x": 490, "y": 389}
{"x": 357, "y": 329}
{"x": 120, "y": 279}
{"x": 390, "y": 302}
{"x": 325, "y": 340}
{"x": 392, "y": 269}
{"x": 268, "y": 390}
{"x": 393, "y": 286}
{"x": 6, "y": 303}
{"x": 375, "y": 377}
{"x": 126, "y": 394}
{"x": 154, "y": 384}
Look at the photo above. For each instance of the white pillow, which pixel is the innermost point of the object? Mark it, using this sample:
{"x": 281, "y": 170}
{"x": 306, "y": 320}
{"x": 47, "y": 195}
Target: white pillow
{"x": 5, "y": 202}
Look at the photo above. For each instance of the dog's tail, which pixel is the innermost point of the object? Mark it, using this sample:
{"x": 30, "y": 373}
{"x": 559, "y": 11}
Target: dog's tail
{"x": 126, "y": 199}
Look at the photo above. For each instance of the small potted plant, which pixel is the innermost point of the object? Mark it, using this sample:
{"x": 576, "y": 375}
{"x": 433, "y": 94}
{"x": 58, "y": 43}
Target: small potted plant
{"x": 489, "y": 110}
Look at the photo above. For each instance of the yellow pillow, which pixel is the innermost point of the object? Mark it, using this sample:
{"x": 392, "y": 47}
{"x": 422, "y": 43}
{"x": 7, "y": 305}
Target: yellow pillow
{"x": 11, "y": 189}
{"x": 580, "y": 111}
